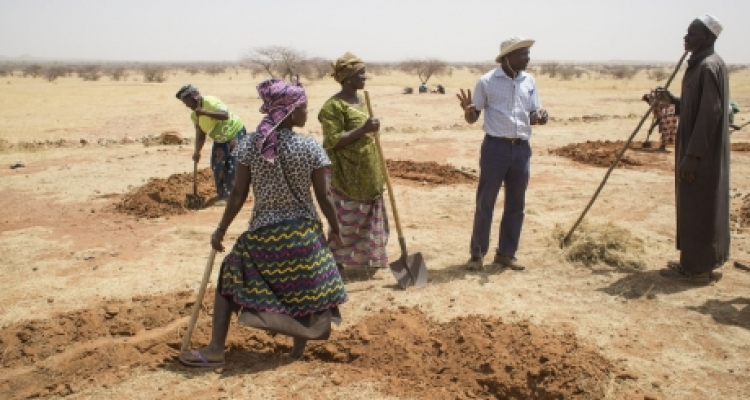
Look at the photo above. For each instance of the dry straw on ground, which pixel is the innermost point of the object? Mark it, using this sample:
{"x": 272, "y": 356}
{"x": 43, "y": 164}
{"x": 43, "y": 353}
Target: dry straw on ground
{"x": 595, "y": 244}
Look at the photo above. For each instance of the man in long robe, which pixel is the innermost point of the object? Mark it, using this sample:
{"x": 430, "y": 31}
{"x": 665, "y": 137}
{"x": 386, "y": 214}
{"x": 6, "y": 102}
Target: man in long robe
{"x": 702, "y": 159}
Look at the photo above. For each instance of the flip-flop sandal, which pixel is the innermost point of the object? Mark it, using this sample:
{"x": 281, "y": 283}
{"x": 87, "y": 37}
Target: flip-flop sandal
{"x": 203, "y": 363}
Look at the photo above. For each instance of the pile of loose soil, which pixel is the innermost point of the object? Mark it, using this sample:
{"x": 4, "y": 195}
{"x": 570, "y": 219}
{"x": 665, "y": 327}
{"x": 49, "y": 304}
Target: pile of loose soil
{"x": 740, "y": 215}
{"x": 469, "y": 357}
{"x": 429, "y": 172}
{"x": 599, "y": 153}
{"x": 164, "y": 197}
{"x": 595, "y": 244}
{"x": 741, "y": 146}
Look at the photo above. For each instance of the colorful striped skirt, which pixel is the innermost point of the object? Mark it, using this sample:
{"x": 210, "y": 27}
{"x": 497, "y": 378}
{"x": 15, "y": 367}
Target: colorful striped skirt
{"x": 364, "y": 232}
{"x": 285, "y": 268}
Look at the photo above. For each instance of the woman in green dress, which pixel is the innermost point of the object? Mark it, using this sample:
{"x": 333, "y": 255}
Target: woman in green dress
{"x": 357, "y": 181}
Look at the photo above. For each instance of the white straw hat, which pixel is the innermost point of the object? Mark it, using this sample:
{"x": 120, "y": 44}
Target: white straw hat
{"x": 513, "y": 43}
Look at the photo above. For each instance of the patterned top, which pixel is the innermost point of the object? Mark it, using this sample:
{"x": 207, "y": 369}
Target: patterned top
{"x": 219, "y": 131}
{"x": 282, "y": 195}
{"x": 355, "y": 170}
{"x": 508, "y": 103}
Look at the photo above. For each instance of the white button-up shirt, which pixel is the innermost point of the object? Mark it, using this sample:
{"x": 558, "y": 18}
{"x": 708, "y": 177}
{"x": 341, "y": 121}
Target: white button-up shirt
{"x": 507, "y": 103}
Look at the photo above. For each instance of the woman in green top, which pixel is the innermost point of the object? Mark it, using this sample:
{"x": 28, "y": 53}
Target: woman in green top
{"x": 213, "y": 118}
{"x": 357, "y": 181}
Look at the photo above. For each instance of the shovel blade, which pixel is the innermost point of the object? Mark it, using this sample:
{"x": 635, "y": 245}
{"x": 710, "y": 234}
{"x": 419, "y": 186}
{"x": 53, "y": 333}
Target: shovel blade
{"x": 193, "y": 202}
{"x": 410, "y": 271}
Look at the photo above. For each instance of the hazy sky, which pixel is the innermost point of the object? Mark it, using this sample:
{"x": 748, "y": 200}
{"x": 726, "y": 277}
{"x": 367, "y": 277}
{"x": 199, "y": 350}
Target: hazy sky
{"x": 376, "y": 30}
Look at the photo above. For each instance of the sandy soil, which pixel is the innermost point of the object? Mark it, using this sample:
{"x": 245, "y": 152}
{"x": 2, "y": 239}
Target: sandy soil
{"x": 95, "y": 301}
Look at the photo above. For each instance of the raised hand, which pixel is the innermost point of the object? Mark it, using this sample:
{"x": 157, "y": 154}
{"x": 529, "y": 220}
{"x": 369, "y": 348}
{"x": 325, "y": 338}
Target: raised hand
{"x": 465, "y": 100}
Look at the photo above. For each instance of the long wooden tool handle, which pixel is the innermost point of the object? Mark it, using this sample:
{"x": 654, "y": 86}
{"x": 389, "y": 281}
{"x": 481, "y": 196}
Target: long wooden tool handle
{"x": 384, "y": 167}
{"x": 195, "y": 177}
{"x": 199, "y": 300}
{"x": 619, "y": 156}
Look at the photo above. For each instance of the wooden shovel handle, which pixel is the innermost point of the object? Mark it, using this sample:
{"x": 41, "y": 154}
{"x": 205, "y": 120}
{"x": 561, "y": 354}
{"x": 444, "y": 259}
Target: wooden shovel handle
{"x": 199, "y": 300}
{"x": 195, "y": 178}
{"x": 384, "y": 168}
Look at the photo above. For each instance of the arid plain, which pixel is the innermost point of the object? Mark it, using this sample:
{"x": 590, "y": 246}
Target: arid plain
{"x": 95, "y": 302}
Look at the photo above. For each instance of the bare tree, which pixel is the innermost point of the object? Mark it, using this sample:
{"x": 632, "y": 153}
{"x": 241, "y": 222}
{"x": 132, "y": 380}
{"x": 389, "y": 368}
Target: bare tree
{"x": 279, "y": 61}
{"x": 424, "y": 69}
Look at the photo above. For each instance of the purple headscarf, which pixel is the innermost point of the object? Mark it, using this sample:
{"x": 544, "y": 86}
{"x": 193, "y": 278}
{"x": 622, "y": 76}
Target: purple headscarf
{"x": 280, "y": 98}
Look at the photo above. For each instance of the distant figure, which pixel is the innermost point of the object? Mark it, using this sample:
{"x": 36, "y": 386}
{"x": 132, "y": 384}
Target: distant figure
{"x": 734, "y": 108}
{"x": 423, "y": 88}
{"x": 407, "y": 90}
{"x": 213, "y": 118}
{"x": 440, "y": 89}
{"x": 702, "y": 157}
{"x": 664, "y": 115}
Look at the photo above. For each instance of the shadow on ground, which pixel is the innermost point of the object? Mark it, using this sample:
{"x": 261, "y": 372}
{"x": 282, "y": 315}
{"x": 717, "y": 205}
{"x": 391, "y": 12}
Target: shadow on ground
{"x": 647, "y": 284}
{"x": 735, "y": 312}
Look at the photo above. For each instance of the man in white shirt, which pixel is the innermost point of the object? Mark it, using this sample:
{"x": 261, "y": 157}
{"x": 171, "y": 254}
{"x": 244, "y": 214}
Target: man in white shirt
{"x": 511, "y": 102}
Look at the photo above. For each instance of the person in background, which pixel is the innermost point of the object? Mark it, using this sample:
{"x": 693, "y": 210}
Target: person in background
{"x": 702, "y": 158}
{"x": 510, "y": 99}
{"x": 213, "y": 118}
{"x": 357, "y": 181}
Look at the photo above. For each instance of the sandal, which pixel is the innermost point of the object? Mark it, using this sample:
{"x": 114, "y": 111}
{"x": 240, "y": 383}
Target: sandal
{"x": 202, "y": 361}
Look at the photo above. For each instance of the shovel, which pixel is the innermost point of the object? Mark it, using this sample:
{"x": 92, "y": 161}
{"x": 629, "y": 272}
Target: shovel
{"x": 199, "y": 300}
{"x": 647, "y": 143}
{"x": 194, "y": 201}
{"x": 410, "y": 269}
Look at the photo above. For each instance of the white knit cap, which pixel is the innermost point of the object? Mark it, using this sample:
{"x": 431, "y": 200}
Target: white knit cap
{"x": 711, "y": 23}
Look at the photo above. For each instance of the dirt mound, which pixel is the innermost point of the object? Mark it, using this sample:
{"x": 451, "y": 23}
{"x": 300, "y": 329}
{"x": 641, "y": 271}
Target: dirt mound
{"x": 594, "y": 244}
{"x": 468, "y": 357}
{"x": 599, "y": 153}
{"x": 603, "y": 153}
{"x": 741, "y": 146}
{"x": 164, "y": 197}
{"x": 429, "y": 172}
{"x": 740, "y": 215}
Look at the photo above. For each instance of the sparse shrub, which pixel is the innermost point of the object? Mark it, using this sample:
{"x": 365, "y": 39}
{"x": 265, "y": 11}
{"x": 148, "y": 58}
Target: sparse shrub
{"x": 625, "y": 72}
{"x": 734, "y": 68}
{"x": 154, "y": 74}
{"x": 214, "y": 70}
{"x": 658, "y": 74}
{"x": 550, "y": 69}
{"x": 32, "y": 70}
{"x": 52, "y": 73}
{"x": 6, "y": 70}
{"x": 192, "y": 69}
{"x": 90, "y": 73}
{"x": 116, "y": 73}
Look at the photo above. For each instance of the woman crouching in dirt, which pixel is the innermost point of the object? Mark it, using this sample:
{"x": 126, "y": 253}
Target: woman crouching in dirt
{"x": 280, "y": 275}
{"x": 213, "y": 118}
{"x": 357, "y": 181}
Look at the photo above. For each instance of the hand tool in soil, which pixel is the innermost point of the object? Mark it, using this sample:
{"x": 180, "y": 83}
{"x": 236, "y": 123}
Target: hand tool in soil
{"x": 410, "y": 269}
{"x": 194, "y": 201}
{"x": 199, "y": 300}
{"x": 566, "y": 239}
{"x": 647, "y": 143}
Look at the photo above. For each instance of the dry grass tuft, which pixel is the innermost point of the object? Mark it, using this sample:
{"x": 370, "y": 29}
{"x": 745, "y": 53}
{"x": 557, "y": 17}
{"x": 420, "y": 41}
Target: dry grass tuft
{"x": 596, "y": 244}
